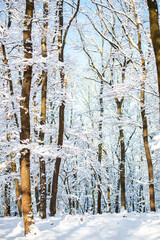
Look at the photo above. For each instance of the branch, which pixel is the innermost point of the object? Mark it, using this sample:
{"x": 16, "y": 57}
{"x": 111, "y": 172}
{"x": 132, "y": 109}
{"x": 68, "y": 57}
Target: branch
{"x": 5, "y": 61}
{"x": 113, "y": 10}
{"x": 90, "y": 59}
{"x": 130, "y": 140}
{"x": 69, "y": 24}
{"x": 115, "y": 46}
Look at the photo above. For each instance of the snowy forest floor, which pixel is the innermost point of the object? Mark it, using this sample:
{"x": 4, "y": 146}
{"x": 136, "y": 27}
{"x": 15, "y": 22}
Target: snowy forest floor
{"x": 122, "y": 226}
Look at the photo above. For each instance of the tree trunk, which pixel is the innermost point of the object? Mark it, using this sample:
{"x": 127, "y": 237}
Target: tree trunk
{"x": 109, "y": 199}
{"x": 36, "y": 136}
{"x": 100, "y": 147}
{"x": 147, "y": 152}
{"x": 93, "y": 192}
{"x": 141, "y": 199}
{"x": 58, "y": 159}
{"x": 155, "y": 36}
{"x": 42, "y": 210}
{"x": 17, "y": 187}
{"x": 122, "y": 170}
{"x": 61, "y": 45}
{"x": 54, "y": 187}
{"x": 117, "y": 197}
{"x": 143, "y": 115}
{"x": 7, "y": 208}
{"x": 25, "y": 121}
{"x": 122, "y": 160}
{"x": 18, "y": 196}
{"x": 61, "y": 113}
{"x": 37, "y": 193}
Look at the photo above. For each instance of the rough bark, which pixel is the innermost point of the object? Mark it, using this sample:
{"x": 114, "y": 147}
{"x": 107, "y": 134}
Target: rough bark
{"x": 155, "y": 36}
{"x": 25, "y": 121}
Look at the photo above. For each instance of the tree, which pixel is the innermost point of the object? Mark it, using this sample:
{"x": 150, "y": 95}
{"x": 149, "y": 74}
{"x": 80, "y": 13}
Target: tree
{"x": 142, "y": 101}
{"x": 155, "y": 36}
{"x": 122, "y": 142}
{"x": 88, "y": 108}
{"x": 43, "y": 113}
{"x": 143, "y": 113}
{"x": 11, "y": 90}
{"x": 25, "y": 120}
{"x": 61, "y": 46}
{"x": 104, "y": 33}
{"x": 115, "y": 43}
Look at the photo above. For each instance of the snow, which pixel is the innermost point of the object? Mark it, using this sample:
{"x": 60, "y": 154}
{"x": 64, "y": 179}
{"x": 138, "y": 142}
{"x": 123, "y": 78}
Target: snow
{"x": 122, "y": 226}
{"x": 156, "y": 142}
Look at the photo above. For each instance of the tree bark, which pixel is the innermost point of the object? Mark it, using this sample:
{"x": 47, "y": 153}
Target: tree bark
{"x": 122, "y": 161}
{"x": 7, "y": 208}
{"x": 147, "y": 150}
{"x": 36, "y": 136}
{"x": 37, "y": 194}
{"x": 93, "y": 193}
{"x": 61, "y": 113}
{"x": 25, "y": 121}
{"x": 42, "y": 210}
{"x": 117, "y": 197}
{"x": 155, "y": 36}
{"x": 100, "y": 147}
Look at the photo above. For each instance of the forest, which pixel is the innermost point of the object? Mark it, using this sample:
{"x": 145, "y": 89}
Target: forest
{"x": 79, "y": 108}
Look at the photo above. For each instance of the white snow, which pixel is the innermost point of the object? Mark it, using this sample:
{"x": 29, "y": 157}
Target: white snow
{"x": 122, "y": 226}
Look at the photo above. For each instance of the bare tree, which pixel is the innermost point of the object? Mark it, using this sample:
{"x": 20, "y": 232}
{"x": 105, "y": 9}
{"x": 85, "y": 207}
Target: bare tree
{"x": 25, "y": 120}
{"x": 43, "y": 113}
{"x": 143, "y": 112}
{"x": 155, "y": 36}
{"x": 61, "y": 46}
{"x": 11, "y": 90}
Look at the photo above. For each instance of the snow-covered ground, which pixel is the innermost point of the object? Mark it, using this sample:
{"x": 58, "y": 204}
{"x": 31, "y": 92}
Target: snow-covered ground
{"x": 123, "y": 226}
